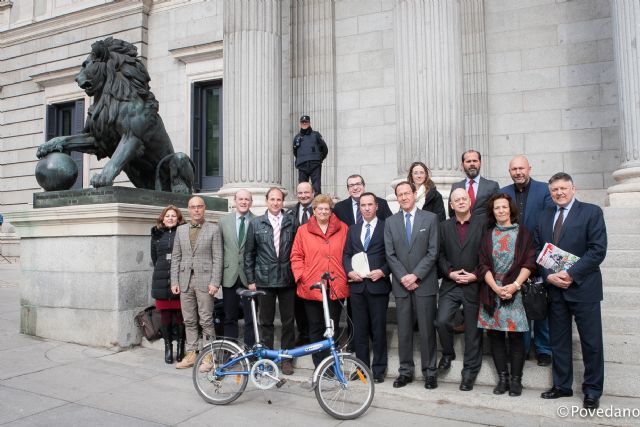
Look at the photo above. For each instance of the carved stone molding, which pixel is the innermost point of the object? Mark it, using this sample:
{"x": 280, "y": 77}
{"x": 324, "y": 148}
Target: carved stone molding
{"x": 198, "y": 53}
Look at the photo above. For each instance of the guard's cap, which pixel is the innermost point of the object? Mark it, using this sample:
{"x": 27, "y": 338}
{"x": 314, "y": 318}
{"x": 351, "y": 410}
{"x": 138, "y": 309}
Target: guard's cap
{"x": 305, "y": 118}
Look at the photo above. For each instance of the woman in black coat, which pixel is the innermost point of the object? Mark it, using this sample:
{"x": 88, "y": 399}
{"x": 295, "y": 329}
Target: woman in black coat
{"x": 167, "y": 303}
{"x": 429, "y": 198}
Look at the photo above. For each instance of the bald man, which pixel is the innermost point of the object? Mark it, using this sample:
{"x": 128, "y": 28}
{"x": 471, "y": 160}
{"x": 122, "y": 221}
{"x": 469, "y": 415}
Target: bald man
{"x": 196, "y": 275}
{"x": 460, "y": 238}
{"x": 532, "y": 197}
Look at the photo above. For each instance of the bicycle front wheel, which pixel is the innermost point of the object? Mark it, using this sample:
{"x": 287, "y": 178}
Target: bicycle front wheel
{"x": 344, "y": 401}
{"x": 222, "y": 388}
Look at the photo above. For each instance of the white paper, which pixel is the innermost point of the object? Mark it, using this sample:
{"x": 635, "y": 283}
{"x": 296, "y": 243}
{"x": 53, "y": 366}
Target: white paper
{"x": 360, "y": 264}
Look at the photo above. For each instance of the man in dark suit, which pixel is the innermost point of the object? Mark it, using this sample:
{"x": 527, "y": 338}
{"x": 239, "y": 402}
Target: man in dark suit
{"x": 460, "y": 238}
{"x": 301, "y": 214}
{"x": 531, "y": 197}
{"x": 411, "y": 246}
{"x": 480, "y": 189}
{"x": 578, "y": 228}
{"x": 369, "y": 293}
{"x": 348, "y": 210}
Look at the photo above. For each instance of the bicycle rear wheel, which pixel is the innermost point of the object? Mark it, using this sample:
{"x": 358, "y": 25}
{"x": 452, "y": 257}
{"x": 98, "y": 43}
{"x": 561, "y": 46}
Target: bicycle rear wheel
{"x": 344, "y": 401}
{"x": 220, "y": 389}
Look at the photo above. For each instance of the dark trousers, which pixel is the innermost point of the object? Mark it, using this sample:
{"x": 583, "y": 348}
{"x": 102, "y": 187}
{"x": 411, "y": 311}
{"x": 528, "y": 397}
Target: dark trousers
{"x": 232, "y": 302}
{"x": 315, "y": 315}
{"x": 302, "y": 324}
{"x": 499, "y": 351}
{"x": 267, "y": 313}
{"x": 447, "y": 307}
{"x": 541, "y": 341}
{"x": 304, "y": 175}
{"x": 423, "y": 310}
{"x": 589, "y": 324}
{"x": 370, "y": 320}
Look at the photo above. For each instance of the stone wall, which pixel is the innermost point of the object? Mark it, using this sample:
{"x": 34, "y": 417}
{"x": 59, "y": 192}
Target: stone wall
{"x": 550, "y": 82}
{"x": 552, "y": 90}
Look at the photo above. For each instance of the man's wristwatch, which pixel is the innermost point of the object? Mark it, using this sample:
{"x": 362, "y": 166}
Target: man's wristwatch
{"x": 518, "y": 285}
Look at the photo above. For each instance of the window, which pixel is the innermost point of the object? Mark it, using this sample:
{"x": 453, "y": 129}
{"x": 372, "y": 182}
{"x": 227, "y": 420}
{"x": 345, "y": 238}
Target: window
{"x": 67, "y": 119}
{"x": 206, "y": 131}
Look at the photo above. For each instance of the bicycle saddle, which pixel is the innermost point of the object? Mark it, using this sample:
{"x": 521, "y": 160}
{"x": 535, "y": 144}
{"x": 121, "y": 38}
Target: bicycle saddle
{"x": 249, "y": 294}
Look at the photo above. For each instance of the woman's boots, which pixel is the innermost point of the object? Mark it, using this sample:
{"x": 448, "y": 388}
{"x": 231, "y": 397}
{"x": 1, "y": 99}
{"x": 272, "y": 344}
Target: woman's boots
{"x": 181, "y": 338}
{"x": 503, "y": 383}
{"x": 168, "y": 348}
{"x": 516, "y": 386}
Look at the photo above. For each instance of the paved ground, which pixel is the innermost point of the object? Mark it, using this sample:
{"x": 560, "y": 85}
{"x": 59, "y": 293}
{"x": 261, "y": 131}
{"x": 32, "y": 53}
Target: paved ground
{"x": 51, "y": 383}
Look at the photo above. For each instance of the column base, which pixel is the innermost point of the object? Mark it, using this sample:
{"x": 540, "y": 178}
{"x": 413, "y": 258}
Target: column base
{"x": 626, "y": 193}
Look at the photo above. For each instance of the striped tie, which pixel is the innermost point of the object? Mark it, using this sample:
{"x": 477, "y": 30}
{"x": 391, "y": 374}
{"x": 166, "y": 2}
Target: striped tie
{"x": 276, "y": 235}
{"x": 367, "y": 237}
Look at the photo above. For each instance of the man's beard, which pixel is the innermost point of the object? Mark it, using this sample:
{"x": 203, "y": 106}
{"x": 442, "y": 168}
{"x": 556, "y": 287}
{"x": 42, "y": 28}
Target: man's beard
{"x": 472, "y": 173}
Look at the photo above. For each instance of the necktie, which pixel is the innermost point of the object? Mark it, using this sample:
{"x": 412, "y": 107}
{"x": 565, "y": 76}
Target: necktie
{"x": 241, "y": 231}
{"x": 367, "y": 237}
{"x": 407, "y": 227}
{"x": 276, "y": 235}
{"x": 472, "y": 194}
{"x": 305, "y": 215}
{"x": 557, "y": 227}
{"x": 358, "y": 214}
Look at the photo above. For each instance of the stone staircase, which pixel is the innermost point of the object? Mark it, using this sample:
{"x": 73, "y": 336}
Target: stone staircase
{"x": 621, "y": 326}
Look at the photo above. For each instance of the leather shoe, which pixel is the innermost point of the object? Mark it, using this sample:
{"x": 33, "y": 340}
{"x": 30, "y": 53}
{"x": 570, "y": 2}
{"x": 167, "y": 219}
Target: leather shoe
{"x": 467, "y": 384}
{"x": 590, "y": 402}
{"x": 445, "y": 362}
{"x": 555, "y": 393}
{"x": 378, "y": 379}
{"x": 402, "y": 381}
{"x": 431, "y": 382}
{"x": 544, "y": 359}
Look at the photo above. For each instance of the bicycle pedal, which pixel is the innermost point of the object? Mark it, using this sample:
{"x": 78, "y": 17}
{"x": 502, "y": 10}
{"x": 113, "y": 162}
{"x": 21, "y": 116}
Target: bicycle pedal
{"x": 281, "y": 383}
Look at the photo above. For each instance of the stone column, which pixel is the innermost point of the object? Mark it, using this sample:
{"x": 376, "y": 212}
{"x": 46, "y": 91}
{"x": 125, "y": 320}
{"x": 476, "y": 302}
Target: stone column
{"x": 429, "y": 86}
{"x": 313, "y": 80}
{"x": 252, "y": 101}
{"x": 474, "y": 54}
{"x": 626, "y": 33}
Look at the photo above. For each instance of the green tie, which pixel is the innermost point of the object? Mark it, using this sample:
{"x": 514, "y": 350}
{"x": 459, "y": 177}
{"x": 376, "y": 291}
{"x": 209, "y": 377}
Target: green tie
{"x": 241, "y": 231}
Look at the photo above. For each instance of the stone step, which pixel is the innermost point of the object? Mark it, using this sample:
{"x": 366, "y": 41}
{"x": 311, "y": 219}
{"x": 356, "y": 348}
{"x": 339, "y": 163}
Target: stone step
{"x": 616, "y": 297}
{"x": 479, "y": 407}
{"x": 621, "y": 258}
{"x": 623, "y": 241}
{"x": 624, "y": 276}
{"x": 621, "y": 321}
{"x": 620, "y": 380}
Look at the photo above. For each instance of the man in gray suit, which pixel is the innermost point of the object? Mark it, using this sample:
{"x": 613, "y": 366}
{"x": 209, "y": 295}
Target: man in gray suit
{"x": 196, "y": 273}
{"x": 480, "y": 189}
{"x": 411, "y": 247}
{"x": 234, "y": 231}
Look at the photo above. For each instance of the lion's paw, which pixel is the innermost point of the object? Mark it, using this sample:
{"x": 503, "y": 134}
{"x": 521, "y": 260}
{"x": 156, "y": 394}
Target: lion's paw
{"x": 100, "y": 180}
{"x": 53, "y": 145}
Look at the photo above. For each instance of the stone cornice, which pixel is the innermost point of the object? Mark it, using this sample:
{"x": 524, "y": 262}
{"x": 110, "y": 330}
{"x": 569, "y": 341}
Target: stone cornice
{"x": 78, "y": 19}
{"x": 5, "y": 4}
{"x": 198, "y": 53}
{"x": 108, "y": 219}
{"x": 54, "y": 78}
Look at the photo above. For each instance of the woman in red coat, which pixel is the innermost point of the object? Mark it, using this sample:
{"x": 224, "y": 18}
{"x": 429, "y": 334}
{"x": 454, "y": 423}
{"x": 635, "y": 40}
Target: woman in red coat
{"x": 317, "y": 249}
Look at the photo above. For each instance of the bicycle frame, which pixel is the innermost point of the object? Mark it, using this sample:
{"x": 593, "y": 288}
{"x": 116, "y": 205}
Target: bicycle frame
{"x": 261, "y": 352}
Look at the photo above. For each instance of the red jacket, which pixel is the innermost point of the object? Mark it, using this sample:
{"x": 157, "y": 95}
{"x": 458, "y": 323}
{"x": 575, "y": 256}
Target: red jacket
{"x": 315, "y": 253}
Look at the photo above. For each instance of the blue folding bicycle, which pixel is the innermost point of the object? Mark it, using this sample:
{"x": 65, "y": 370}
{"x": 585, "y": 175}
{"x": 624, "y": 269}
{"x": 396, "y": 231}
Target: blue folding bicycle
{"x": 343, "y": 383}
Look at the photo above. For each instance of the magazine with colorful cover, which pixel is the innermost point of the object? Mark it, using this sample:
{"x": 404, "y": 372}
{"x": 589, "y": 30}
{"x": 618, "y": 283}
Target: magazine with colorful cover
{"x": 556, "y": 259}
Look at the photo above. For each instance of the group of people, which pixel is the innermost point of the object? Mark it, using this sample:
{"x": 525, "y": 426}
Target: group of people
{"x": 478, "y": 259}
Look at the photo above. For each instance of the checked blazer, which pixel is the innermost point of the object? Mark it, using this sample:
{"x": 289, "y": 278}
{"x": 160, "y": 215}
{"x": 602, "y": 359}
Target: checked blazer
{"x": 205, "y": 259}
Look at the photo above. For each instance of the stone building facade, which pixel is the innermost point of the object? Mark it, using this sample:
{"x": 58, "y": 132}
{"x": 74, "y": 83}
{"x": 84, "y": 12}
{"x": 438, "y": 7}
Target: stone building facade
{"x": 386, "y": 82}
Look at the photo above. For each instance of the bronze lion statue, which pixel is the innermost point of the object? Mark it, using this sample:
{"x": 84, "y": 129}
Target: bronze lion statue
{"x": 123, "y": 123}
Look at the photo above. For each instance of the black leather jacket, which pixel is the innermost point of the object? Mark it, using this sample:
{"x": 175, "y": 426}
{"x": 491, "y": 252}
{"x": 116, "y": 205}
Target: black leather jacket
{"x": 261, "y": 265}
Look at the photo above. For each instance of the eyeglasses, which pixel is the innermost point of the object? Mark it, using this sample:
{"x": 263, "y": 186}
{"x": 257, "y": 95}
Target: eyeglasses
{"x": 357, "y": 184}
{"x": 304, "y": 121}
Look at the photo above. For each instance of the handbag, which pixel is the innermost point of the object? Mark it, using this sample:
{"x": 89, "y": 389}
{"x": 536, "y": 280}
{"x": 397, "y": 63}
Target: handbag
{"x": 148, "y": 320}
{"x": 535, "y": 299}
